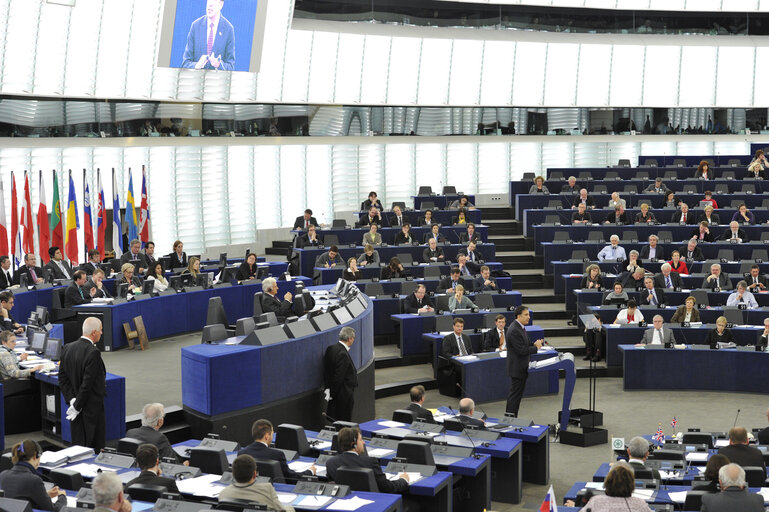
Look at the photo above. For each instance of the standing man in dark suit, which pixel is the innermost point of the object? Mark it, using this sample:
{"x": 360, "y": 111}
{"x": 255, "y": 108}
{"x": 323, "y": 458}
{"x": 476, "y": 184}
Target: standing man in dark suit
{"x": 740, "y": 452}
{"x": 82, "y": 378}
{"x": 352, "y": 447}
{"x": 304, "y": 222}
{"x": 261, "y": 433}
{"x": 153, "y": 416}
{"x": 6, "y": 279}
{"x": 340, "y": 376}
{"x": 210, "y": 41}
{"x": 59, "y": 268}
{"x": 271, "y": 303}
{"x": 417, "y": 302}
{"x": 417, "y": 405}
{"x": 494, "y": 339}
{"x": 74, "y": 294}
{"x": 94, "y": 259}
{"x": 519, "y": 350}
{"x": 30, "y": 269}
{"x": 148, "y": 460}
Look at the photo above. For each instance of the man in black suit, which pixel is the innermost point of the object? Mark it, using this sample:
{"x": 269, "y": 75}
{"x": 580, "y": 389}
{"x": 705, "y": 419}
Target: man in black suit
{"x": 397, "y": 219}
{"x": 340, "y": 376}
{"x": 82, "y": 378}
{"x": 466, "y": 410}
{"x": 58, "y": 268}
{"x": 94, "y": 259}
{"x": 6, "y": 279}
{"x": 448, "y": 284}
{"x": 352, "y": 447}
{"x": 470, "y": 235}
{"x": 485, "y": 282}
{"x": 74, "y": 295}
{"x": 271, "y": 303}
{"x": 261, "y": 433}
{"x": 134, "y": 253}
{"x": 583, "y": 198}
{"x": 7, "y": 323}
{"x": 571, "y": 186}
{"x": 434, "y": 233}
{"x": 519, "y": 350}
{"x": 153, "y": 416}
{"x": 650, "y": 295}
{"x": 716, "y": 279}
{"x": 684, "y": 216}
{"x": 474, "y": 256}
{"x": 417, "y": 302}
{"x": 763, "y": 434}
{"x": 372, "y": 217}
{"x": 305, "y": 221}
{"x": 667, "y": 278}
{"x": 653, "y": 251}
{"x": 457, "y": 343}
{"x": 638, "y": 452}
{"x": 735, "y": 232}
{"x": 702, "y": 233}
{"x": 310, "y": 238}
{"x": 690, "y": 252}
{"x": 618, "y": 216}
{"x": 756, "y": 282}
{"x": 494, "y": 339}
{"x": 433, "y": 252}
{"x": 417, "y": 405}
{"x": 30, "y": 269}
{"x": 148, "y": 460}
{"x": 149, "y": 255}
{"x": 95, "y": 281}
{"x": 740, "y": 452}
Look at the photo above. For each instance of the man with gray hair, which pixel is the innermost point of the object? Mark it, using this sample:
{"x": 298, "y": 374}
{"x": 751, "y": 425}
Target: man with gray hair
{"x": 637, "y": 452}
{"x": 613, "y": 251}
{"x": 667, "y": 278}
{"x": 340, "y": 376}
{"x": 742, "y": 296}
{"x": 153, "y": 416}
{"x": 716, "y": 278}
{"x": 108, "y": 493}
{"x": 734, "y": 493}
{"x": 83, "y": 382}
{"x": 272, "y": 304}
{"x": 466, "y": 410}
{"x": 134, "y": 253}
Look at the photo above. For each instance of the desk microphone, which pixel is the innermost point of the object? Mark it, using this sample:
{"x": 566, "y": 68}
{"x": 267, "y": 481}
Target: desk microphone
{"x": 735, "y": 418}
{"x": 465, "y": 392}
{"x": 329, "y": 418}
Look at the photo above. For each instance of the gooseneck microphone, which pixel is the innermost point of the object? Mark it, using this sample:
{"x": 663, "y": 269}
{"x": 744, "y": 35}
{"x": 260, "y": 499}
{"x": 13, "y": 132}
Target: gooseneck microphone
{"x": 735, "y": 418}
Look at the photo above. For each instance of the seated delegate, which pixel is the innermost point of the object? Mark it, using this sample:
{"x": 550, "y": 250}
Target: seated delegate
{"x": 9, "y": 361}
{"x": 592, "y": 277}
{"x": 617, "y": 295}
{"x": 742, "y": 296}
{"x": 248, "y": 269}
{"x": 720, "y": 334}
{"x": 370, "y": 256}
{"x": 677, "y": 264}
{"x": 394, "y": 270}
{"x": 372, "y": 237}
{"x": 23, "y": 483}
{"x": 351, "y": 273}
{"x": 539, "y": 186}
{"x": 630, "y": 315}
{"x": 612, "y": 251}
{"x": 459, "y": 301}
{"x": 372, "y": 201}
{"x": 743, "y": 215}
{"x": 687, "y": 312}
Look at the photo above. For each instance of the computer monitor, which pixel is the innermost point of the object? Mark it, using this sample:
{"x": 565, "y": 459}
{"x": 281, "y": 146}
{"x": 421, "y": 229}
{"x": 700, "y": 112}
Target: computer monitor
{"x": 53, "y": 349}
{"x": 29, "y": 332}
{"x": 175, "y": 282}
{"x": 299, "y": 329}
{"x": 223, "y": 259}
{"x": 355, "y": 308}
{"x": 268, "y": 336}
{"x": 338, "y": 287}
{"x": 204, "y": 280}
{"x": 38, "y": 341}
{"x": 262, "y": 272}
{"x": 33, "y": 319}
{"x": 228, "y": 274}
{"x": 42, "y": 314}
{"x": 148, "y": 286}
{"x": 136, "y": 264}
{"x": 166, "y": 262}
{"x": 341, "y": 315}
{"x": 122, "y": 290}
{"x": 323, "y": 322}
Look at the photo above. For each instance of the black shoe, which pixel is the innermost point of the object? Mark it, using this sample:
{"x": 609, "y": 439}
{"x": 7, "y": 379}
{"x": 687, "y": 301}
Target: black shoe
{"x": 587, "y": 357}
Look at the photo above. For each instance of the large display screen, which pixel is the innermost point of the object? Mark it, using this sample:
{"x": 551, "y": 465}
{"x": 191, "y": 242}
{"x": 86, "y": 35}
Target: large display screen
{"x": 214, "y": 35}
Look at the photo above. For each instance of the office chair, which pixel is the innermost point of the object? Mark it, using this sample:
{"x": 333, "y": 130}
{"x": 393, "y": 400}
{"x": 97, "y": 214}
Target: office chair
{"x": 759, "y": 254}
{"x": 406, "y": 258}
{"x": 584, "y": 176}
{"x": 66, "y": 479}
{"x": 408, "y": 287}
{"x": 271, "y": 469}
{"x": 428, "y": 205}
{"x": 433, "y": 272}
{"x": 489, "y": 320}
{"x": 748, "y": 188}
{"x": 674, "y": 455}
{"x": 441, "y": 304}
{"x": 128, "y": 445}
{"x": 239, "y": 505}
{"x": 728, "y": 175}
{"x": 245, "y": 326}
{"x": 694, "y": 499}
{"x": 416, "y": 452}
{"x": 610, "y": 175}
{"x": 643, "y": 175}
{"x": 402, "y": 205}
{"x": 329, "y": 240}
{"x": 453, "y": 424}
{"x": 679, "y": 162}
{"x": 339, "y": 224}
{"x": 701, "y": 296}
{"x": 623, "y": 162}
{"x": 484, "y": 300}
{"x": 269, "y": 318}
{"x": 209, "y": 460}
{"x": 630, "y": 189}
{"x": 359, "y": 479}
{"x": 552, "y": 219}
{"x": 755, "y": 476}
{"x": 292, "y": 437}
{"x": 670, "y": 175}
{"x": 733, "y": 315}
{"x": 561, "y": 236}
{"x": 651, "y": 162}
{"x": 449, "y": 190}
{"x": 734, "y": 162}
{"x": 579, "y": 255}
{"x": 145, "y": 492}
{"x": 216, "y": 332}
{"x": 374, "y": 289}
{"x": 556, "y": 175}
{"x": 425, "y": 190}
{"x": 444, "y": 323}
{"x": 404, "y": 416}
{"x": 600, "y": 189}
{"x": 554, "y": 204}
{"x": 257, "y": 305}
{"x": 643, "y": 474}
{"x": 698, "y": 438}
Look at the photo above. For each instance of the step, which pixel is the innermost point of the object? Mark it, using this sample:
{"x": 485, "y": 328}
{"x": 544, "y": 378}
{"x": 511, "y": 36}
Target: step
{"x": 495, "y": 213}
{"x": 403, "y": 387}
{"x": 546, "y": 312}
{"x": 398, "y": 361}
{"x": 278, "y": 251}
{"x": 529, "y": 299}
{"x": 507, "y": 243}
{"x": 502, "y": 228}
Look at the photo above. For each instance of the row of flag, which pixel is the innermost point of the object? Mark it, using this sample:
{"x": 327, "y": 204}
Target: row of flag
{"x": 55, "y": 232}
{"x": 659, "y": 435}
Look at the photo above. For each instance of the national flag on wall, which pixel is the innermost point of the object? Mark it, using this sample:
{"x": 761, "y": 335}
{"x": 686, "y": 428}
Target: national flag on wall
{"x": 87, "y": 223}
{"x": 15, "y": 238}
{"x": 117, "y": 228}
{"x": 101, "y": 215}
{"x": 26, "y": 219}
{"x": 57, "y": 229}
{"x": 3, "y": 224}
{"x": 130, "y": 210}
{"x": 73, "y": 223}
{"x": 144, "y": 222}
{"x": 549, "y": 504}
{"x": 43, "y": 229}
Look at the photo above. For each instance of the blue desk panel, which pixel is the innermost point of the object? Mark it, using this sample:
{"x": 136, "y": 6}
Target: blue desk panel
{"x": 442, "y": 201}
{"x": 708, "y": 316}
{"x": 331, "y": 275}
{"x": 355, "y": 236}
{"x": 442, "y": 217}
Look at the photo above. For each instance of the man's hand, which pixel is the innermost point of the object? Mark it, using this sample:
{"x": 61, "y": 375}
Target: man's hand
{"x": 288, "y": 296}
{"x": 215, "y": 62}
{"x": 539, "y": 344}
{"x": 327, "y": 265}
{"x": 404, "y": 476}
{"x": 55, "y": 491}
{"x": 201, "y": 63}
{"x": 93, "y": 291}
{"x": 4, "y": 312}
{"x": 313, "y": 469}
{"x": 36, "y": 368}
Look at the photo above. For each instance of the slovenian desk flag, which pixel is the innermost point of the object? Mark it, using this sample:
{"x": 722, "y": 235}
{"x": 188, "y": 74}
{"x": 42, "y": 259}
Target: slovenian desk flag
{"x": 73, "y": 223}
{"x": 117, "y": 227}
{"x": 549, "y": 504}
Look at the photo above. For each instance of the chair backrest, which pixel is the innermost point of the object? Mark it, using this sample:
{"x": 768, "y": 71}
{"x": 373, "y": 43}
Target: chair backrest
{"x": 425, "y": 191}
{"x": 444, "y": 323}
{"x": 428, "y": 205}
{"x": 629, "y": 236}
{"x": 665, "y": 235}
{"x": 623, "y": 162}
{"x": 745, "y": 267}
{"x": 701, "y": 296}
{"x": 664, "y": 454}
{"x": 359, "y": 479}
{"x": 670, "y": 175}
{"x": 292, "y": 437}
{"x": 258, "y": 304}
{"x": 453, "y": 424}
{"x": 268, "y": 317}
{"x": 449, "y": 189}
{"x": 271, "y": 469}
{"x": 679, "y": 162}
{"x": 556, "y": 175}
{"x": 408, "y": 287}
{"x": 759, "y": 254}
{"x": 651, "y": 162}
{"x": 734, "y": 315}
{"x": 736, "y": 203}
{"x": 698, "y": 438}
{"x": 484, "y": 300}
{"x": 694, "y": 499}
{"x": 643, "y": 474}
{"x": 215, "y": 332}
{"x": 630, "y": 189}
{"x": 441, "y": 304}
{"x": 690, "y": 189}
{"x": 578, "y": 255}
{"x": 406, "y": 258}
{"x": 727, "y": 254}
{"x": 755, "y": 476}
{"x": 128, "y": 445}
{"x": 721, "y": 188}
{"x": 401, "y": 204}
{"x": 145, "y": 492}
{"x": 764, "y": 235}
{"x": 329, "y": 240}
{"x": 216, "y": 314}
{"x": 561, "y": 236}
{"x": 611, "y": 175}
{"x": 432, "y": 272}
{"x": 416, "y": 452}
{"x": 600, "y": 189}
{"x": 209, "y": 460}
{"x": 733, "y": 162}
{"x": 748, "y": 188}
{"x": 339, "y": 223}
{"x": 596, "y": 236}
{"x": 66, "y": 478}
{"x": 726, "y": 175}
{"x": 245, "y": 326}
{"x": 552, "y": 219}
{"x": 489, "y": 320}
{"x": 404, "y": 416}
{"x": 374, "y": 289}
{"x": 528, "y": 176}
{"x": 584, "y": 175}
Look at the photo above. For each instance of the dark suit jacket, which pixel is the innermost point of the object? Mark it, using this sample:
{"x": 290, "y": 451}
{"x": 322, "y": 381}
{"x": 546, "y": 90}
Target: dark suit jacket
{"x": 696, "y": 253}
{"x": 261, "y": 451}
{"x": 56, "y": 272}
{"x": 246, "y": 272}
{"x": 339, "y": 373}
{"x": 659, "y": 254}
{"x": 150, "y": 478}
{"x": 480, "y": 286}
{"x": 644, "y": 295}
{"x": 24, "y": 270}
{"x": 722, "y": 282}
{"x": 675, "y": 278}
{"x": 464, "y": 238}
{"x": 445, "y": 283}
{"x": 299, "y": 222}
{"x": 761, "y": 279}
{"x": 732, "y": 499}
{"x": 429, "y": 235}
{"x": 469, "y": 420}
{"x": 449, "y": 347}
{"x": 4, "y": 282}
{"x": 411, "y": 304}
{"x": 740, "y": 233}
{"x": 612, "y": 218}
{"x": 711, "y": 486}
{"x": 366, "y": 221}
{"x": 519, "y": 351}
{"x": 127, "y": 257}
{"x": 714, "y": 219}
{"x": 197, "y": 44}
{"x": 763, "y": 436}
{"x": 400, "y": 238}
{"x": 638, "y": 464}
{"x": 491, "y": 340}
{"x": 281, "y": 308}
{"x": 744, "y": 455}
{"x": 707, "y": 237}
{"x": 631, "y": 283}
{"x": 353, "y": 460}
{"x": 589, "y": 202}
{"x": 427, "y": 254}
{"x": 388, "y": 273}
{"x": 73, "y": 297}
{"x": 691, "y": 217}
{"x": 82, "y": 376}
{"x": 394, "y": 220}
{"x": 420, "y": 412}
{"x": 23, "y": 483}
{"x": 88, "y": 267}
{"x": 176, "y": 262}
{"x": 151, "y": 436}
{"x": 477, "y": 255}
{"x": 367, "y": 204}
{"x": 150, "y": 261}
{"x": 304, "y": 241}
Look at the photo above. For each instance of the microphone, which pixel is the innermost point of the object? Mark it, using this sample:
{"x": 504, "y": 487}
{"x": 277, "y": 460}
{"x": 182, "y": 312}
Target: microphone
{"x": 735, "y": 418}
{"x": 465, "y": 392}
{"x": 329, "y": 418}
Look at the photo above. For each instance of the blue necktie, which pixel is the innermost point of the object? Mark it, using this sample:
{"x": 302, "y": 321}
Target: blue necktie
{"x": 654, "y": 298}
{"x": 668, "y": 282}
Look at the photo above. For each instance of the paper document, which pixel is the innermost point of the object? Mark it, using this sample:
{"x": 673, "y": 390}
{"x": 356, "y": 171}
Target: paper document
{"x": 413, "y": 477}
{"x": 392, "y": 424}
{"x": 379, "y": 452}
{"x": 320, "y": 444}
{"x": 313, "y": 501}
{"x": 201, "y": 484}
{"x": 697, "y": 456}
{"x": 644, "y": 494}
{"x": 466, "y": 358}
{"x": 503, "y": 353}
{"x": 72, "y": 453}
{"x": 89, "y": 470}
{"x": 764, "y": 491}
{"x": 722, "y": 442}
{"x": 594, "y": 485}
{"x": 677, "y": 497}
{"x": 72, "y": 501}
{"x": 299, "y": 466}
{"x": 666, "y": 475}
{"x": 353, "y": 503}
{"x": 286, "y": 497}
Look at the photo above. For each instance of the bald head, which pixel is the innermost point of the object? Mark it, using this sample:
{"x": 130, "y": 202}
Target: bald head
{"x": 466, "y": 406}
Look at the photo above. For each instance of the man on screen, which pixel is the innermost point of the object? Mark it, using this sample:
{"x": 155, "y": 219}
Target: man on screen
{"x": 210, "y": 41}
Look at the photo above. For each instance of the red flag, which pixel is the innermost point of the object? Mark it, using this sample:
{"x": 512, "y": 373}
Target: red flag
{"x": 3, "y": 224}
{"x": 15, "y": 241}
{"x": 101, "y": 215}
{"x": 144, "y": 222}
{"x": 87, "y": 224}
{"x": 44, "y": 232}
{"x": 26, "y": 219}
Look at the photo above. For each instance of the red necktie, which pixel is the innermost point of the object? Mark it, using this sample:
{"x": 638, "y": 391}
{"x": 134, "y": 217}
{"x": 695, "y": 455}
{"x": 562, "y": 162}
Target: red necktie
{"x": 684, "y": 217}
{"x": 210, "y": 39}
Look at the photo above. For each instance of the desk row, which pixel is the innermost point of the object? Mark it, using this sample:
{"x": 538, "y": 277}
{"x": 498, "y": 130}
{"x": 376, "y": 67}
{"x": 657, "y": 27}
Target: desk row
{"x": 434, "y": 270}
{"x": 579, "y": 300}
{"x": 418, "y": 234}
{"x": 651, "y": 167}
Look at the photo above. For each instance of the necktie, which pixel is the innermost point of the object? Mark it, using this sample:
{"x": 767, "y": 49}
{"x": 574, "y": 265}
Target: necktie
{"x": 472, "y": 256}
{"x": 8, "y": 277}
{"x": 613, "y": 250}
{"x": 32, "y": 273}
{"x": 501, "y": 339}
{"x": 461, "y": 345}
{"x": 210, "y": 44}
{"x": 654, "y": 298}
{"x": 683, "y": 218}
{"x": 400, "y": 221}
{"x": 668, "y": 283}
{"x": 755, "y": 280}
{"x": 81, "y": 292}
{"x": 307, "y": 224}
{"x": 453, "y": 284}
{"x": 659, "y": 333}
{"x": 690, "y": 254}
{"x": 734, "y": 234}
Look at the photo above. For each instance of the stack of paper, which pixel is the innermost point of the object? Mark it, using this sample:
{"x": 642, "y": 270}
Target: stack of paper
{"x": 392, "y": 424}
{"x": 644, "y": 494}
{"x": 286, "y": 497}
{"x": 697, "y": 456}
{"x": 309, "y": 501}
{"x": 201, "y": 486}
{"x": 90, "y": 470}
{"x": 677, "y": 497}
{"x": 299, "y": 466}
{"x": 353, "y": 503}
{"x": 413, "y": 477}
{"x": 764, "y": 491}
{"x": 71, "y": 454}
{"x": 379, "y": 452}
